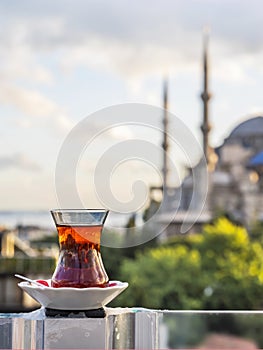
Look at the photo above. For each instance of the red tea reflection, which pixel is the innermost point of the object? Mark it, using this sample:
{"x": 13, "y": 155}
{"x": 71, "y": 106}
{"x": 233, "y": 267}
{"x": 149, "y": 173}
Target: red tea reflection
{"x": 80, "y": 264}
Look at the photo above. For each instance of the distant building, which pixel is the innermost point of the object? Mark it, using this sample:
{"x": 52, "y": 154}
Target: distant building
{"x": 237, "y": 180}
{"x": 235, "y": 174}
{"x": 17, "y": 256}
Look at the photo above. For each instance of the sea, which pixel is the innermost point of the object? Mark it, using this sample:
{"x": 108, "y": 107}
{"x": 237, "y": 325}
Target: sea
{"x": 40, "y": 218}
{"x": 43, "y": 219}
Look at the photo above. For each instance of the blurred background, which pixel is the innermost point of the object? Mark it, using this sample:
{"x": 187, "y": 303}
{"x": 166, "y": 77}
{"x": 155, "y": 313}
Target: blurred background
{"x": 200, "y": 60}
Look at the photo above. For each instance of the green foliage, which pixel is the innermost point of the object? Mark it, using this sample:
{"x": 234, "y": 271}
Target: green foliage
{"x": 256, "y": 231}
{"x": 222, "y": 268}
{"x": 162, "y": 278}
{"x": 233, "y": 267}
{"x": 112, "y": 257}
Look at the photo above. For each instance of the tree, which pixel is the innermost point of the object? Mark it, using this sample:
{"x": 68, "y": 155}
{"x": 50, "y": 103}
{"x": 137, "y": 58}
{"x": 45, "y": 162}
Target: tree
{"x": 233, "y": 266}
{"x": 162, "y": 278}
{"x": 218, "y": 269}
{"x": 256, "y": 231}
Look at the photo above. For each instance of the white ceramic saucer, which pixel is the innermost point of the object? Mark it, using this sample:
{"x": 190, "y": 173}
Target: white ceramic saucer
{"x": 73, "y": 298}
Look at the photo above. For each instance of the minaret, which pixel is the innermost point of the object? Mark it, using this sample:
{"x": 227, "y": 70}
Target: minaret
{"x": 205, "y": 127}
{"x": 165, "y": 130}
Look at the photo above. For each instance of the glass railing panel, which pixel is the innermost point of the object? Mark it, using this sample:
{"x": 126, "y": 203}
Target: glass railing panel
{"x": 211, "y": 330}
{"x": 6, "y": 331}
{"x": 133, "y": 328}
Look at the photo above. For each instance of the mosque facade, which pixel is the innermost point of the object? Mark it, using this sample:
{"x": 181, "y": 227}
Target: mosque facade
{"x": 235, "y": 175}
{"x": 237, "y": 180}
{"x": 235, "y": 183}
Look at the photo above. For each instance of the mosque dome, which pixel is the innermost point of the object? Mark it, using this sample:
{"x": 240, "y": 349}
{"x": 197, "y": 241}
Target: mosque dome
{"x": 249, "y": 134}
{"x": 253, "y": 126}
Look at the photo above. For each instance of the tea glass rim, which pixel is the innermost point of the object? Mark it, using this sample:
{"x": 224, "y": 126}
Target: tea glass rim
{"x": 70, "y": 221}
{"x": 80, "y": 210}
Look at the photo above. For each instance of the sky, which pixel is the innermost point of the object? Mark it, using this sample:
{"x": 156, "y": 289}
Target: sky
{"x": 62, "y": 61}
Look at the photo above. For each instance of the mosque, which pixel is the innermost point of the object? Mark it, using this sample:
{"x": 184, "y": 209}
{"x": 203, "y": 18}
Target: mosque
{"x": 235, "y": 173}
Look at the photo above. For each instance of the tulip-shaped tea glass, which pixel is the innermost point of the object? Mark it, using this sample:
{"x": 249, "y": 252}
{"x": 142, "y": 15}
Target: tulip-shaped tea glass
{"x": 79, "y": 264}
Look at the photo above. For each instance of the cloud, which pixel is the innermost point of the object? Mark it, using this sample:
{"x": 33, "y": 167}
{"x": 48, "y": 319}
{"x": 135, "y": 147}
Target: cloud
{"x": 19, "y": 69}
{"x": 166, "y": 22}
{"x": 130, "y": 40}
{"x": 37, "y": 108}
{"x": 30, "y": 102}
{"x": 125, "y": 59}
{"x": 18, "y": 161}
{"x": 18, "y": 56}
{"x": 121, "y": 132}
{"x": 130, "y": 45}
{"x": 18, "y": 63}
{"x": 134, "y": 41}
